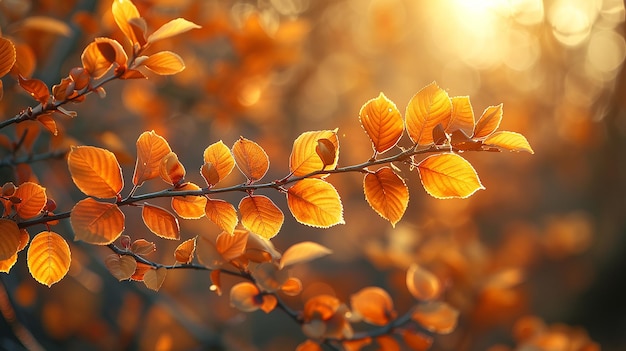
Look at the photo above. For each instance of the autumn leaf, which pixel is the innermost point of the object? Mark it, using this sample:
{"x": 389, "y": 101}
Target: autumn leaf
{"x": 6, "y": 265}
{"x": 509, "y": 141}
{"x": 261, "y": 216}
{"x": 374, "y": 305}
{"x": 142, "y": 247}
{"x": 268, "y": 277}
{"x": 7, "y": 55}
{"x": 124, "y": 11}
{"x": 151, "y": 149}
{"x": 489, "y": 122}
{"x": 164, "y": 63}
{"x": 462, "y": 117}
{"x": 171, "y": 170}
{"x": 95, "y": 171}
{"x": 436, "y": 316}
{"x": 304, "y": 158}
{"x": 100, "y": 55}
{"x": 185, "y": 251}
{"x": 417, "y": 341}
{"x": 221, "y": 160}
{"x": 303, "y": 252}
{"x": 95, "y": 222}
{"x": 207, "y": 253}
{"x": 251, "y": 159}
{"x": 316, "y": 203}
{"x": 10, "y": 238}
{"x": 243, "y": 296}
{"x": 189, "y": 206}
{"x": 121, "y": 267}
{"x": 47, "y": 24}
{"x": 309, "y": 345}
{"x": 154, "y": 278}
{"x": 422, "y": 284}
{"x": 33, "y": 199}
{"x": 222, "y": 213}
{"x": 387, "y": 343}
{"x": 291, "y": 287}
{"x": 231, "y": 246}
{"x": 387, "y": 194}
{"x": 174, "y": 27}
{"x": 325, "y": 149}
{"x": 426, "y": 109}
{"x": 36, "y": 88}
{"x": 382, "y": 122}
{"x": 48, "y": 122}
{"x": 448, "y": 175}
{"x": 48, "y": 258}
{"x": 160, "y": 221}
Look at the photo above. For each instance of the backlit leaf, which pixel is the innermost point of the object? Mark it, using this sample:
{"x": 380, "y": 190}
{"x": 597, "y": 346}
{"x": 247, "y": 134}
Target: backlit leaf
{"x": 261, "y": 216}
{"x": 222, "y": 213}
{"x": 141, "y": 269}
{"x": 48, "y": 122}
{"x": 171, "y": 170}
{"x": 164, "y": 63}
{"x": 7, "y": 56}
{"x": 95, "y": 222}
{"x": 387, "y": 343}
{"x": 207, "y": 253}
{"x": 488, "y": 122}
{"x": 172, "y": 28}
{"x": 95, "y": 171}
{"x": 190, "y": 206}
{"x": 269, "y": 303}
{"x": 382, "y": 122}
{"x": 448, "y": 175}
{"x": 36, "y": 88}
{"x": 154, "y": 278}
{"x": 185, "y": 251}
{"x": 316, "y": 203}
{"x": 33, "y": 199}
{"x": 25, "y": 60}
{"x": 221, "y": 160}
{"x": 9, "y": 238}
{"x": 160, "y": 221}
{"x": 244, "y": 297}
{"x": 416, "y": 341}
{"x": 100, "y": 55}
{"x": 48, "y": 258}
{"x": 251, "y": 159}
{"x": 387, "y": 194}
{"x": 24, "y": 239}
{"x": 374, "y": 305}
{"x": 121, "y": 267}
{"x": 462, "y": 117}
{"x": 422, "y": 284}
{"x": 303, "y": 252}
{"x": 6, "y": 265}
{"x": 151, "y": 149}
{"x": 292, "y": 287}
{"x": 436, "y": 316}
{"x": 232, "y": 246}
{"x": 426, "y": 109}
{"x": 509, "y": 141}
{"x": 304, "y": 158}
{"x": 123, "y": 12}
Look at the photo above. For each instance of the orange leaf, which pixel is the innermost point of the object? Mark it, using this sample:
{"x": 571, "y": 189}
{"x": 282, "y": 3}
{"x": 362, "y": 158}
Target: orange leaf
{"x": 95, "y": 171}
{"x": 25, "y": 60}
{"x": 36, "y": 88}
{"x": 154, "y": 278}
{"x": 509, "y": 141}
{"x": 374, "y": 305}
{"x": 164, "y": 63}
{"x": 462, "y": 117}
{"x": 97, "y": 223}
{"x": 185, "y": 251}
{"x": 47, "y": 24}
{"x": 488, "y": 122}
{"x": 222, "y": 213}
{"x": 448, "y": 175}
{"x": 151, "y": 149}
{"x": 309, "y": 345}
{"x": 6, "y": 265}
{"x": 7, "y": 56}
{"x": 24, "y": 239}
{"x": 292, "y": 287}
{"x": 190, "y": 206}
{"x": 269, "y": 303}
{"x": 268, "y": 277}
{"x": 303, "y": 252}
{"x": 304, "y": 158}
{"x": 416, "y": 341}
{"x": 100, "y": 55}
{"x": 48, "y": 122}
{"x": 436, "y": 316}
{"x": 261, "y": 216}
{"x": 387, "y": 343}
{"x": 232, "y": 246}
{"x": 172, "y": 28}
{"x": 160, "y": 222}
{"x": 251, "y": 159}
{"x": 142, "y": 247}
{"x": 387, "y": 194}
{"x": 244, "y": 297}
{"x": 48, "y": 258}
{"x": 123, "y": 12}
{"x": 207, "y": 252}
{"x": 422, "y": 284}
{"x": 121, "y": 267}
{"x": 382, "y": 122}
{"x": 221, "y": 160}
{"x": 316, "y": 203}
{"x": 10, "y": 234}
{"x": 33, "y": 199}
{"x": 171, "y": 170}
{"x": 325, "y": 149}
{"x": 426, "y": 109}
{"x": 141, "y": 269}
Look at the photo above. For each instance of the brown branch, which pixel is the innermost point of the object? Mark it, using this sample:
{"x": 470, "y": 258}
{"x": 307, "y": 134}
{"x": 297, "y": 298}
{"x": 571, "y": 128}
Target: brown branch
{"x": 14, "y": 161}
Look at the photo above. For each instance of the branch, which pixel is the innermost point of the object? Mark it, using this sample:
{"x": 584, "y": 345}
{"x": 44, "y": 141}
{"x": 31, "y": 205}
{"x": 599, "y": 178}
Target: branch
{"x": 14, "y": 161}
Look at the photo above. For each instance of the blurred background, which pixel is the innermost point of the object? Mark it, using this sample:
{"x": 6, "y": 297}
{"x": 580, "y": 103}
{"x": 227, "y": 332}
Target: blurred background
{"x": 547, "y": 238}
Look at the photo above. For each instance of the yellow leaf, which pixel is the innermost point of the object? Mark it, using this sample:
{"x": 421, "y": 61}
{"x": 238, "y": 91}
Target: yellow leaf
{"x": 95, "y": 171}
{"x": 316, "y": 203}
{"x": 154, "y": 278}
{"x": 261, "y": 216}
{"x": 382, "y": 122}
{"x": 123, "y": 12}
{"x": 244, "y": 297}
{"x": 251, "y": 159}
{"x": 7, "y": 56}
{"x": 172, "y": 28}
{"x": 6, "y": 265}
{"x": 164, "y": 63}
{"x": 190, "y": 206}
{"x": 387, "y": 194}
{"x": 160, "y": 222}
{"x": 97, "y": 223}
{"x": 462, "y": 117}
{"x": 171, "y": 170}
{"x": 9, "y": 238}
{"x": 426, "y": 109}
{"x": 304, "y": 158}
{"x": 121, "y": 267}
{"x": 185, "y": 251}
{"x": 303, "y": 252}
{"x": 447, "y": 176}
{"x": 422, "y": 284}
{"x": 33, "y": 199}
{"x": 151, "y": 149}
{"x": 509, "y": 141}
{"x": 232, "y": 246}
{"x": 222, "y": 213}
{"x": 488, "y": 122}
{"x": 48, "y": 258}
{"x": 220, "y": 158}
{"x": 374, "y": 305}
{"x": 100, "y": 55}
{"x": 436, "y": 316}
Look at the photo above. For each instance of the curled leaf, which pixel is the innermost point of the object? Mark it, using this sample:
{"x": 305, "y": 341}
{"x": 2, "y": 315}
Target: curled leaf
{"x": 221, "y": 161}
{"x": 304, "y": 157}
{"x": 325, "y": 149}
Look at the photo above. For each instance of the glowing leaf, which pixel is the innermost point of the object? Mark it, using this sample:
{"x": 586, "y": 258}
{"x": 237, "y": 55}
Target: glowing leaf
{"x": 151, "y": 149}
{"x": 416, "y": 341}
{"x": 123, "y": 12}
{"x": 269, "y": 303}
{"x": 95, "y": 171}
{"x": 7, "y": 56}
{"x": 6, "y": 265}
{"x": 436, "y": 316}
{"x": 48, "y": 122}
{"x": 172, "y": 28}
{"x": 303, "y": 252}
{"x": 47, "y": 24}
{"x": 171, "y": 170}
{"x": 304, "y": 158}
{"x": 141, "y": 269}
{"x": 24, "y": 239}
{"x": 160, "y": 222}
{"x": 97, "y": 223}
{"x": 142, "y": 247}
{"x": 251, "y": 159}
{"x": 448, "y": 175}
{"x": 260, "y": 215}
{"x": 426, "y": 109}
{"x": 488, "y": 122}
{"x": 309, "y": 345}
{"x": 292, "y": 287}
{"x": 382, "y": 122}
{"x": 316, "y": 203}
{"x": 325, "y": 149}
{"x": 509, "y": 141}
{"x": 231, "y": 246}
{"x": 9, "y": 238}
{"x": 100, "y": 55}
{"x": 207, "y": 252}
{"x": 190, "y": 206}
{"x": 462, "y": 117}
{"x": 221, "y": 160}
{"x": 121, "y": 267}
{"x": 48, "y": 258}
{"x": 259, "y": 249}
{"x": 222, "y": 213}
{"x": 164, "y": 63}
{"x": 33, "y": 199}
{"x": 36, "y": 88}
{"x": 185, "y": 251}
{"x": 387, "y": 343}
{"x": 244, "y": 297}
{"x": 387, "y": 194}
{"x": 154, "y": 278}
{"x": 374, "y": 305}
{"x": 422, "y": 284}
